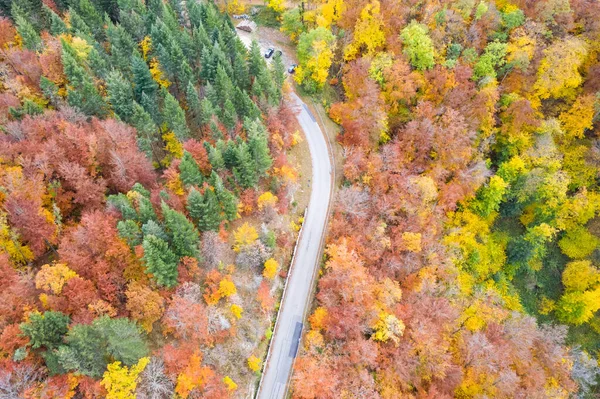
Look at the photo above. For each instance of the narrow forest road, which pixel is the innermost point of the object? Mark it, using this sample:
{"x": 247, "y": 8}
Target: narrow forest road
{"x": 296, "y": 300}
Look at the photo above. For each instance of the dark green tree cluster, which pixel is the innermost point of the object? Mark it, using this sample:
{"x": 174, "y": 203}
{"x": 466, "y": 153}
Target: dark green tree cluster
{"x": 214, "y": 205}
{"x": 85, "y": 349}
{"x": 164, "y": 242}
{"x": 143, "y": 63}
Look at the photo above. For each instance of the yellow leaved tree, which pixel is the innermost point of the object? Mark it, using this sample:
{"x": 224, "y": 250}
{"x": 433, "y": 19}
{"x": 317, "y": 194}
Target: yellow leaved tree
{"x": 368, "y": 32}
{"x": 52, "y": 278}
{"x": 244, "y": 235}
{"x": 120, "y": 381}
{"x": 270, "y": 269}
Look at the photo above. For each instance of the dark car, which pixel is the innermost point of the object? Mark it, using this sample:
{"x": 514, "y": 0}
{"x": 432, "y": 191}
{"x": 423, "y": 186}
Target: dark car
{"x": 278, "y": 53}
{"x": 292, "y": 68}
{"x": 269, "y": 52}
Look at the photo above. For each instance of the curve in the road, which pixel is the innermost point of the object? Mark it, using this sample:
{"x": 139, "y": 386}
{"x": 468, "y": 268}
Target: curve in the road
{"x": 297, "y": 293}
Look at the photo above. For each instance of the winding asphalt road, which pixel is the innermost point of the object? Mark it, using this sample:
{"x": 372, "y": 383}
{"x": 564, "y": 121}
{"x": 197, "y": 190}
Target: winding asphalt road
{"x": 289, "y": 324}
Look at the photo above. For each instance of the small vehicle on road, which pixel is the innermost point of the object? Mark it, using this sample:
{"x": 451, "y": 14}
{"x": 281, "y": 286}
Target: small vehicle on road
{"x": 269, "y": 52}
{"x": 292, "y": 68}
{"x": 278, "y": 53}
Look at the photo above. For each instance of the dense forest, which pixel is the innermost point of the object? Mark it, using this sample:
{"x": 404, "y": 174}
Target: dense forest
{"x": 148, "y": 209}
{"x": 149, "y": 190}
{"x": 462, "y": 257}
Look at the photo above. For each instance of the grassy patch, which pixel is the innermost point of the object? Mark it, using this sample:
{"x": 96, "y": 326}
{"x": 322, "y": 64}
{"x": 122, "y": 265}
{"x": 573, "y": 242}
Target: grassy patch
{"x": 267, "y": 17}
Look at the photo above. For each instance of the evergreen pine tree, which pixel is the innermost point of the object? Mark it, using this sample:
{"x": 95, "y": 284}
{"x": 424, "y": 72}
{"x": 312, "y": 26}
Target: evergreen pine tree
{"x": 50, "y": 90}
{"x": 31, "y": 39}
{"x": 151, "y": 228}
{"x": 228, "y": 149}
{"x": 81, "y": 92}
{"x": 148, "y": 135}
{"x": 256, "y": 62}
{"x": 223, "y": 84}
{"x": 211, "y": 216}
{"x": 245, "y": 170}
{"x": 146, "y": 211}
{"x": 160, "y": 261}
{"x": 151, "y": 106}
{"x": 130, "y": 232}
{"x": 98, "y": 62}
{"x": 92, "y": 18}
{"x": 78, "y": 25}
{"x": 189, "y": 172}
{"x": 195, "y": 204}
{"x": 120, "y": 95}
{"x": 229, "y": 202}
{"x": 216, "y": 158}
{"x": 278, "y": 73}
{"x": 174, "y": 116}
{"x": 57, "y": 25}
{"x": 211, "y": 94}
{"x": 122, "y": 47}
{"x": 240, "y": 71}
{"x": 142, "y": 79}
{"x": 258, "y": 144}
{"x": 183, "y": 234}
{"x": 206, "y": 111}
{"x": 194, "y": 105}
{"x": 228, "y": 115}
{"x": 208, "y": 71}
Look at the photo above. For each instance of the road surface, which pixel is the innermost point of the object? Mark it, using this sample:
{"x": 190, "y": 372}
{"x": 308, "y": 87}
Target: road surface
{"x": 288, "y": 330}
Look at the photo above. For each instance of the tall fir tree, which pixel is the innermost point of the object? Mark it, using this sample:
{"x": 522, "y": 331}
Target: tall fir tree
{"x": 259, "y": 146}
{"x": 174, "y": 116}
{"x": 31, "y": 38}
{"x": 229, "y": 202}
{"x": 228, "y": 115}
{"x": 160, "y": 261}
{"x": 120, "y": 96}
{"x": 148, "y": 139}
{"x": 183, "y": 234}
{"x": 189, "y": 172}
{"x": 245, "y": 170}
{"x": 57, "y": 25}
{"x": 194, "y": 106}
{"x": 142, "y": 79}
{"x": 81, "y": 91}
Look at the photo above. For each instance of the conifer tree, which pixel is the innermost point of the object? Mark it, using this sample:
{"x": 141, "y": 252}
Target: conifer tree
{"x": 151, "y": 107}
{"x": 31, "y": 39}
{"x": 120, "y": 96}
{"x": 81, "y": 92}
{"x": 258, "y": 144}
{"x": 278, "y": 73}
{"x": 189, "y": 172}
{"x": 206, "y": 111}
{"x": 57, "y": 25}
{"x": 228, "y": 115}
{"x": 148, "y": 138}
{"x": 205, "y": 209}
{"x": 98, "y": 62}
{"x": 160, "y": 261}
{"x": 194, "y": 105}
{"x": 183, "y": 234}
{"x": 130, "y": 232}
{"x": 174, "y": 116}
{"x": 122, "y": 46}
{"x": 216, "y": 158}
{"x": 211, "y": 218}
{"x": 256, "y": 62}
{"x": 142, "y": 79}
{"x": 245, "y": 170}
{"x": 228, "y": 200}
{"x": 151, "y": 228}
{"x": 195, "y": 204}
